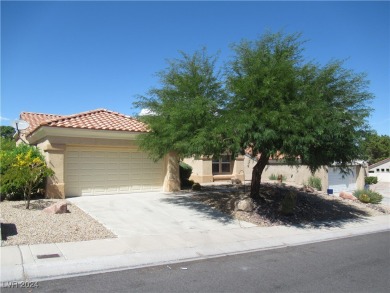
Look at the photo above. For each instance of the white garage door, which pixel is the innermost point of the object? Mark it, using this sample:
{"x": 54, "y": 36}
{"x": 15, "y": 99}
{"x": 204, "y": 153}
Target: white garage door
{"x": 110, "y": 171}
{"x": 341, "y": 182}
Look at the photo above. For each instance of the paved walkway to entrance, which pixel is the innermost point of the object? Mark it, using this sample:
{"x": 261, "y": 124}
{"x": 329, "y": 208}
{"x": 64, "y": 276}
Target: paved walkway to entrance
{"x": 154, "y": 213}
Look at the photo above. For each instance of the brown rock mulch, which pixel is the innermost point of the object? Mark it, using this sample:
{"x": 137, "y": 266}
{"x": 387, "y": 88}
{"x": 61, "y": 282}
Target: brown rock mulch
{"x": 313, "y": 209}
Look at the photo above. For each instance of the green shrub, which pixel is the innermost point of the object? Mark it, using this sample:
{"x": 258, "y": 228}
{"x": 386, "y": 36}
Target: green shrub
{"x": 364, "y": 198}
{"x": 276, "y": 177}
{"x": 315, "y": 182}
{"x": 23, "y": 170}
{"x": 7, "y": 144}
{"x": 185, "y": 173}
{"x": 273, "y": 177}
{"x": 368, "y": 196}
{"x": 371, "y": 180}
{"x": 196, "y": 187}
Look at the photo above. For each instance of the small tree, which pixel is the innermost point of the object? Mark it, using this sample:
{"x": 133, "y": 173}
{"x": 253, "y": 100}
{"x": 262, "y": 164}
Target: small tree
{"x": 185, "y": 110}
{"x": 24, "y": 169}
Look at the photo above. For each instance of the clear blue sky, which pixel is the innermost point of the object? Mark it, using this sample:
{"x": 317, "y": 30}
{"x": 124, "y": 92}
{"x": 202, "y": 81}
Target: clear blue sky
{"x": 70, "y": 57}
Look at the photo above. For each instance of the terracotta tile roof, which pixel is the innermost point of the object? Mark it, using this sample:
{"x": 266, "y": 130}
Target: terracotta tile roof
{"x": 100, "y": 119}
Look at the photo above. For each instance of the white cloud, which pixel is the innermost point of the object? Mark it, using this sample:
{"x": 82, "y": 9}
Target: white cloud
{"x": 3, "y": 118}
{"x": 146, "y": 112}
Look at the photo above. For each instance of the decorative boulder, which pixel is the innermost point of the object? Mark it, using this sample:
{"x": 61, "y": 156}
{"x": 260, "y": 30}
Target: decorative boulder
{"x": 308, "y": 189}
{"x": 347, "y": 195}
{"x": 245, "y": 205}
{"x": 60, "y": 207}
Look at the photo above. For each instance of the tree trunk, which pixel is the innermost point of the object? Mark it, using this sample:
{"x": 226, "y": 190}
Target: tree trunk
{"x": 28, "y": 197}
{"x": 256, "y": 176}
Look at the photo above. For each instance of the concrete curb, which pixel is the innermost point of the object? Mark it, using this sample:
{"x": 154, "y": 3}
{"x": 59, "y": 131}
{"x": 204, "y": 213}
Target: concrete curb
{"x": 19, "y": 263}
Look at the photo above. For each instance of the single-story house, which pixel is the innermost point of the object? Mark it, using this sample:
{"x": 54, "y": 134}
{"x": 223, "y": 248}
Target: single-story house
{"x": 381, "y": 170}
{"x": 206, "y": 169}
{"x": 96, "y": 152}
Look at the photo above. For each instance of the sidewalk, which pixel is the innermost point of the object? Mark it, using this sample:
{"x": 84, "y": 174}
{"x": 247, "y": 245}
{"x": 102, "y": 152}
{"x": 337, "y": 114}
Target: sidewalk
{"x": 61, "y": 260}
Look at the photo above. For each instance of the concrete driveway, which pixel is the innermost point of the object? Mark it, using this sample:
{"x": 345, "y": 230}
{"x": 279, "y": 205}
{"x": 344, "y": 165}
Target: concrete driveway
{"x": 154, "y": 213}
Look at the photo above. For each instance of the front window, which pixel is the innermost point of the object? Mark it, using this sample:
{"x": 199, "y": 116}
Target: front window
{"x": 222, "y": 165}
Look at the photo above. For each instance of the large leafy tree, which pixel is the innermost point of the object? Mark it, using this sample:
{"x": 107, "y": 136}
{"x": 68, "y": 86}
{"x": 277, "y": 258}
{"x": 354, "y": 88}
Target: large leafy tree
{"x": 376, "y": 147}
{"x": 277, "y": 104}
{"x": 184, "y": 111}
{"x": 282, "y": 105}
{"x": 7, "y": 132}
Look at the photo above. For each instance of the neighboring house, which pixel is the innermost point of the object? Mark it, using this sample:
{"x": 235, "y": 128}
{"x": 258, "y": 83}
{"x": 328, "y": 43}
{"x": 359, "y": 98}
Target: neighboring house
{"x": 224, "y": 168}
{"x": 96, "y": 152}
{"x": 381, "y": 170}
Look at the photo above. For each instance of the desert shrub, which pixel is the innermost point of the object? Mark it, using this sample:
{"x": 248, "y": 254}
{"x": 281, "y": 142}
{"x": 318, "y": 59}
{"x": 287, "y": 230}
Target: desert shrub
{"x": 7, "y": 144}
{"x": 364, "y": 198}
{"x": 315, "y": 182}
{"x": 196, "y": 187}
{"x": 273, "y": 177}
{"x": 185, "y": 173}
{"x": 277, "y": 177}
{"x": 23, "y": 170}
{"x": 371, "y": 180}
{"x": 368, "y": 196}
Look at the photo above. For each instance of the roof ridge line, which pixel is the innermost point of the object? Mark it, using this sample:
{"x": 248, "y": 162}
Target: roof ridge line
{"x": 71, "y": 116}
{"x": 36, "y": 113}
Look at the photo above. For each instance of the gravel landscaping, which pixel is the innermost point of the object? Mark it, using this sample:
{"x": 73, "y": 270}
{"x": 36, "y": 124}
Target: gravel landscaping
{"x": 312, "y": 209}
{"x": 33, "y": 226}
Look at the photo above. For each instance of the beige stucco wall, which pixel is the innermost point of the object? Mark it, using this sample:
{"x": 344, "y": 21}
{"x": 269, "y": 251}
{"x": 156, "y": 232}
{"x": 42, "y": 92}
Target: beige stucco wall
{"x": 54, "y": 148}
{"x": 201, "y": 169}
{"x": 55, "y": 156}
{"x": 361, "y": 175}
{"x": 300, "y": 174}
{"x": 294, "y": 174}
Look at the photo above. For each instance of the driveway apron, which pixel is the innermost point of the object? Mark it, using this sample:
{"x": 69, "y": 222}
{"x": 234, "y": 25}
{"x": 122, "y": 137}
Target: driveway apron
{"x": 154, "y": 213}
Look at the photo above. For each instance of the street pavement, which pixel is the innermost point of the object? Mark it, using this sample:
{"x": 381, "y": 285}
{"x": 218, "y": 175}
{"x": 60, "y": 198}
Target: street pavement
{"x": 189, "y": 235}
{"x": 342, "y": 265}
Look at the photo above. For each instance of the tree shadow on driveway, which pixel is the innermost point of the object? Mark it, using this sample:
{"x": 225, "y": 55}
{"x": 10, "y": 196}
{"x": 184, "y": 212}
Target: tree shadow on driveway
{"x": 209, "y": 212}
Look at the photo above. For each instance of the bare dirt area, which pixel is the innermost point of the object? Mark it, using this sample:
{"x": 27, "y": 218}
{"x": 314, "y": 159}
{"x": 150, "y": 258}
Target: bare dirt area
{"x": 20, "y": 226}
{"x": 312, "y": 209}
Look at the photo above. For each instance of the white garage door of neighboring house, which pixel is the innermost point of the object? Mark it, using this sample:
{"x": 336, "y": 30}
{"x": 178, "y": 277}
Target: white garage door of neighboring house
{"x": 341, "y": 182}
{"x": 90, "y": 171}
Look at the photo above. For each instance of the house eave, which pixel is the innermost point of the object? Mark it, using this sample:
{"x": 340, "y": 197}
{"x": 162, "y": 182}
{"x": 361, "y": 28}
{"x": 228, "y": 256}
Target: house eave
{"x": 45, "y": 131}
